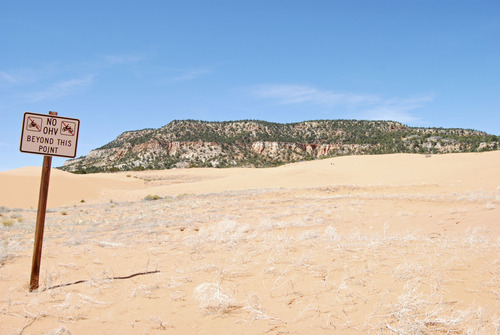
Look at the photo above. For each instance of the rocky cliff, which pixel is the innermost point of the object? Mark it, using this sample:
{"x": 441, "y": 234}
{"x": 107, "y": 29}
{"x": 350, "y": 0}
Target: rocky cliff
{"x": 191, "y": 143}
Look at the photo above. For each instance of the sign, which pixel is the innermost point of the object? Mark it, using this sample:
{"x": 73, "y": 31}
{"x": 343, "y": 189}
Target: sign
{"x": 49, "y": 135}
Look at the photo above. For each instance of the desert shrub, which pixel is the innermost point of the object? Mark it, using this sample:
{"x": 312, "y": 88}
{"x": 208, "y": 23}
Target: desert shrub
{"x": 150, "y": 197}
{"x": 7, "y": 223}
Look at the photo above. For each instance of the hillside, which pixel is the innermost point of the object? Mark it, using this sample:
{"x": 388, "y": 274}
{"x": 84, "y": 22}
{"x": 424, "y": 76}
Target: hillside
{"x": 189, "y": 143}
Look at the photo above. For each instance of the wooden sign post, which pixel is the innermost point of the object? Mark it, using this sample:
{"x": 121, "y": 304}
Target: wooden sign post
{"x": 40, "y": 222}
{"x": 48, "y": 135}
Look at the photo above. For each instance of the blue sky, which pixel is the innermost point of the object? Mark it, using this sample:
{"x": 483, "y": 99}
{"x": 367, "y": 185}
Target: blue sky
{"x": 127, "y": 65}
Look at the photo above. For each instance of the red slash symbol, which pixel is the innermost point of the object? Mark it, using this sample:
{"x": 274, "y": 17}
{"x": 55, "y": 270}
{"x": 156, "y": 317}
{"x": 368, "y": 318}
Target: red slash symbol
{"x": 33, "y": 124}
{"x": 67, "y": 128}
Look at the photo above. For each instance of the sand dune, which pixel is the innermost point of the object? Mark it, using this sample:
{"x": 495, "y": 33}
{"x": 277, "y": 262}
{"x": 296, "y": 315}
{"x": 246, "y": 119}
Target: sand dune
{"x": 390, "y": 244}
{"x": 480, "y": 171}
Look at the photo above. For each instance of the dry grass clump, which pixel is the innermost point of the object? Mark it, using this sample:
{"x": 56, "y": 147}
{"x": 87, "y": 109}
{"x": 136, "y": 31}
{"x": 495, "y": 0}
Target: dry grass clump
{"x": 226, "y": 233}
{"x": 62, "y": 330}
{"x": 213, "y": 298}
{"x": 419, "y": 313}
{"x": 9, "y": 249}
{"x": 7, "y": 222}
{"x": 255, "y": 309}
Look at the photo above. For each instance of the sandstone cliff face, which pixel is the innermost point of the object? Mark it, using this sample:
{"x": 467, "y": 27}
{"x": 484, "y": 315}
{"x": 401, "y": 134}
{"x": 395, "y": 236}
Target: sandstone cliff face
{"x": 276, "y": 149}
{"x": 257, "y": 143}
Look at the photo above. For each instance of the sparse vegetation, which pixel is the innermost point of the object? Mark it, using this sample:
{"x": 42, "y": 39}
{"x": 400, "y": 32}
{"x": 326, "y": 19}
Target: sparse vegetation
{"x": 334, "y": 259}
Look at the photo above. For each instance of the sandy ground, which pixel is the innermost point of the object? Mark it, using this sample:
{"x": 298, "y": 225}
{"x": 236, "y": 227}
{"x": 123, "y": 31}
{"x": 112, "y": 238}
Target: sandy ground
{"x": 390, "y": 244}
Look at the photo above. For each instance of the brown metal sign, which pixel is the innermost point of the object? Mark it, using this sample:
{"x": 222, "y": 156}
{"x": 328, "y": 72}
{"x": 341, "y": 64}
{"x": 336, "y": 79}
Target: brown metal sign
{"x": 49, "y": 135}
